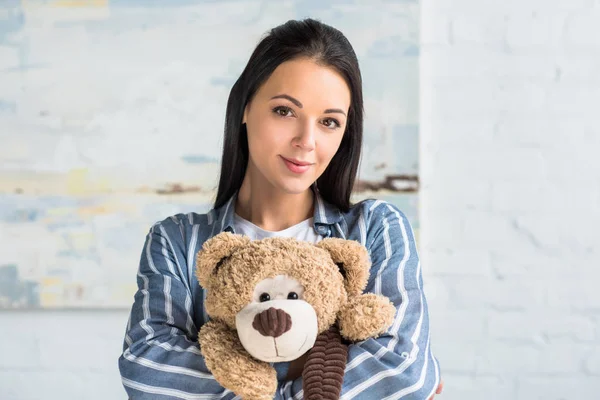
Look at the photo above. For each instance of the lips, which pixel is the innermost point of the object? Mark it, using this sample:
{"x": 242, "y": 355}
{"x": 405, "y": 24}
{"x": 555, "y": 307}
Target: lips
{"x": 296, "y": 166}
{"x": 297, "y": 162}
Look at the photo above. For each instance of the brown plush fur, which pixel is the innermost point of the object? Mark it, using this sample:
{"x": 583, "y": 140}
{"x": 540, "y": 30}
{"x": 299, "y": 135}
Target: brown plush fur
{"x": 366, "y": 316}
{"x": 251, "y": 377}
{"x": 230, "y": 266}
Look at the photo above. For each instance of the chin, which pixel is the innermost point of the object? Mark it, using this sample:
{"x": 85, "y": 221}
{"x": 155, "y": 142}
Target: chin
{"x": 294, "y": 187}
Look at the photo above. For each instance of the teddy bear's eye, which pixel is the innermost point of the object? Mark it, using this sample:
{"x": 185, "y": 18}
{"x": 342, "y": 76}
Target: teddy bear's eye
{"x": 293, "y": 296}
{"x": 264, "y": 297}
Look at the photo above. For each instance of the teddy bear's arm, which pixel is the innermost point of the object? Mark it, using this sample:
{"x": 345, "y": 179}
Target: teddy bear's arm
{"x": 232, "y": 366}
{"x": 366, "y": 316}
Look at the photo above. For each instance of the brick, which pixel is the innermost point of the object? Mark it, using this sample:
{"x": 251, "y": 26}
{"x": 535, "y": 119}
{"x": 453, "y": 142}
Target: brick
{"x": 458, "y": 262}
{"x": 499, "y": 164}
{"x": 560, "y": 169}
{"x": 459, "y": 359}
{"x": 523, "y": 198}
{"x": 534, "y": 262}
{"x": 592, "y": 362}
{"x": 460, "y": 387}
{"x": 482, "y": 96}
{"x": 503, "y": 359}
{"x": 469, "y": 133}
{"x": 435, "y": 289}
{"x": 453, "y": 224}
{"x": 529, "y": 32}
{"x": 561, "y": 360}
{"x": 571, "y": 100}
{"x": 582, "y": 30}
{"x": 454, "y": 324}
{"x": 579, "y": 294}
{"x": 484, "y": 294}
{"x": 465, "y": 65}
{"x": 578, "y": 68}
{"x": 478, "y": 196}
{"x": 540, "y": 327}
{"x": 554, "y": 234}
{"x": 557, "y": 388}
{"x": 499, "y": 233}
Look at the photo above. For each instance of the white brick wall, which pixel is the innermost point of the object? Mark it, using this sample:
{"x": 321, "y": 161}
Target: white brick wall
{"x": 61, "y": 355}
{"x": 511, "y": 196}
{"x": 510, "y": 208}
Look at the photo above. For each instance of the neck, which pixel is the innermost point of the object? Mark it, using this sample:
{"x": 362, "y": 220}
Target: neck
{"x": 271, "y": 209}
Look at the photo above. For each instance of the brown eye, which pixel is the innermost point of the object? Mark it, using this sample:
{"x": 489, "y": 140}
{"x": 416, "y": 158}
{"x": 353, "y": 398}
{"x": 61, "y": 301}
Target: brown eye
{"x": 282, "y": 111}
{"x": 331, "y": 123}
{"x": 264, "y": 297}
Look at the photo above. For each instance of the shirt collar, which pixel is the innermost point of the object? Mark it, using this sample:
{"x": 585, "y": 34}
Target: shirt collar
{"x": 324, "y": 212}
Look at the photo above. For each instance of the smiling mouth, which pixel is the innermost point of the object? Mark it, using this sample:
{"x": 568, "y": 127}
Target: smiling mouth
{"x": 296, "y": 168}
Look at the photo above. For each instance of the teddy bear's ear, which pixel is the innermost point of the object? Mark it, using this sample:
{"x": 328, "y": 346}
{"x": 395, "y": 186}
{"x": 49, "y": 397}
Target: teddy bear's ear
{"x": 214, "y": 251}
{"x": 353, "y": 260}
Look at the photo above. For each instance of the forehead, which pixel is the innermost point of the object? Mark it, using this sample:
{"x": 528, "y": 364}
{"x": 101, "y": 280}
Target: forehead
{"x": 312, "y": 84}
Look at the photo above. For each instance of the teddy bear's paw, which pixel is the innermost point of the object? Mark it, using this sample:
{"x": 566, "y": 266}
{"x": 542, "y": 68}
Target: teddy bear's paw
{"x": 232, "y": 366}
{"x": 366, "y": 316}
{"x": 323, "y": 373}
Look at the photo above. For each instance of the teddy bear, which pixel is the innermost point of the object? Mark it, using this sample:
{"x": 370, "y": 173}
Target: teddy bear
{"x": 277, "y": 299}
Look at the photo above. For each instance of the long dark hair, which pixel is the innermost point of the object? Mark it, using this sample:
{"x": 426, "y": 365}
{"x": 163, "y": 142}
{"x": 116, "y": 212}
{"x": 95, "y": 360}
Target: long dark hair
{"x": 295, "y": 39}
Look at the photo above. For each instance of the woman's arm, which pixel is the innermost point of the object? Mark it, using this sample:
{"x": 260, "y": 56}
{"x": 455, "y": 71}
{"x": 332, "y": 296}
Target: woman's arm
{"x": 400, "y": 363}
{"x": 161, "y": 356}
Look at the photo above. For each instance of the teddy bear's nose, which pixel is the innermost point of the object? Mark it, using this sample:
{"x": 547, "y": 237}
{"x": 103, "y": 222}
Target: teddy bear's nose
{"x": 272, "y": 322}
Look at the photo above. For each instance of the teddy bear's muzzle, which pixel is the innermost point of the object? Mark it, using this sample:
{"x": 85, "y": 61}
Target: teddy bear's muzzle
{"x": 272, "y": 322}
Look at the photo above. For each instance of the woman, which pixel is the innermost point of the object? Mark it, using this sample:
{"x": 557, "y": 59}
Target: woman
{"x": 292, "y": 144}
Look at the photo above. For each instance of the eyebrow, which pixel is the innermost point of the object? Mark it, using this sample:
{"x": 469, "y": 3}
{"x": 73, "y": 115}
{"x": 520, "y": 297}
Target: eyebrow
{"x": 299, "y": 105}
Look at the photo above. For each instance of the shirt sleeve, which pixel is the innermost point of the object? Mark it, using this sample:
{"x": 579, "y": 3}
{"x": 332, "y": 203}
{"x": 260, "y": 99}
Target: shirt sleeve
{"x": 161, "y": 357}
{"x": 400, "y": 363}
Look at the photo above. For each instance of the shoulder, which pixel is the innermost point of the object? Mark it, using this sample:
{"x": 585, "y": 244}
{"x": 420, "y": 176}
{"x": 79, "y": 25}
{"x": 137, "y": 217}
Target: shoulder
{"x": 182, "y": 227}
{"x": 376, "y": 212}
{"x": 385, "y": 231}
{"x": 375, "y": 221}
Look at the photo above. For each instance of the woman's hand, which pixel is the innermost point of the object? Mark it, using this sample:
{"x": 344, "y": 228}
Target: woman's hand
{"x": 439, "y": 389}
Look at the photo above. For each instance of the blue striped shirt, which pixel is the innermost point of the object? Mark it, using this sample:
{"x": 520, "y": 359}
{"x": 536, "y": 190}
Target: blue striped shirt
{"x": 161, "y": 358}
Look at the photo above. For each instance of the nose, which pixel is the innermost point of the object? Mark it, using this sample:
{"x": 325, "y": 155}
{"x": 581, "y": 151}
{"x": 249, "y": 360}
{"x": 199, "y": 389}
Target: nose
{"x": 306, "y": 137}
{"x": 272, "y": 322}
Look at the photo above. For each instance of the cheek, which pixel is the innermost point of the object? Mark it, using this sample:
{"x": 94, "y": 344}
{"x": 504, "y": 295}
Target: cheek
{"x": 328, "y": 147}
{"x": 264, "y": 136}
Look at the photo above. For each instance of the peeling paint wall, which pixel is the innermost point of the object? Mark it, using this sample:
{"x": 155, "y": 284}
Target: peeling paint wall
{"x": 111, "y": 117}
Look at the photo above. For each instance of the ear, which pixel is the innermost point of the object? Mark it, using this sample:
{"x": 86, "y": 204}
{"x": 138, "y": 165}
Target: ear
{"x": 214, "y": 251}
{"x": 353, "y": 260}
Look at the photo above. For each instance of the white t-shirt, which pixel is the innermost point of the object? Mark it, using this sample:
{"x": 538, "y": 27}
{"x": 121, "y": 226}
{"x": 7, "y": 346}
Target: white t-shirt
{"x": 301, "y": 231}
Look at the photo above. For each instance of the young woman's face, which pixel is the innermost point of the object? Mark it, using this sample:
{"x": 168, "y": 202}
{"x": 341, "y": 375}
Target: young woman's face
{"x": 295, "y": 124}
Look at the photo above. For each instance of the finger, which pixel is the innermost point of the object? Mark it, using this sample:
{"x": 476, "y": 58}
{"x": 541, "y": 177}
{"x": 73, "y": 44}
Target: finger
{"x": 440, "y": 388}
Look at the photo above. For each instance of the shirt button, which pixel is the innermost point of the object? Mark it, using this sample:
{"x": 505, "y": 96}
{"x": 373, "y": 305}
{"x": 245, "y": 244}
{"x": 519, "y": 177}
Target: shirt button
{"x": 322, "y": 230}
{"x": 405, "y": 355}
